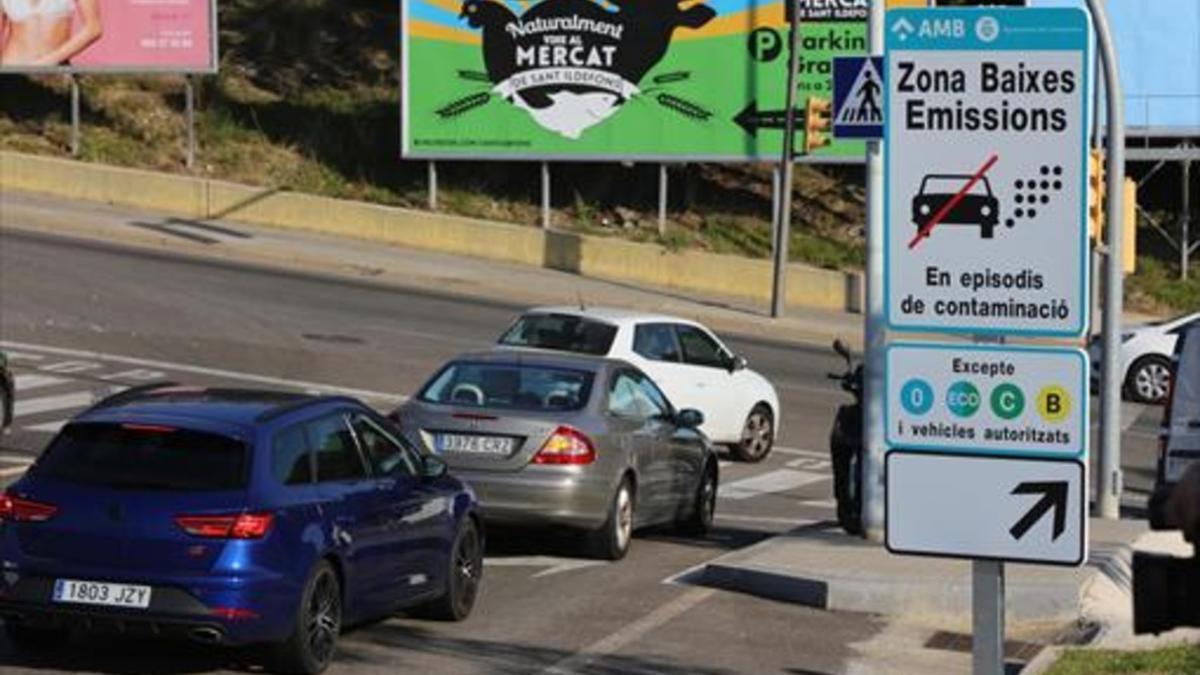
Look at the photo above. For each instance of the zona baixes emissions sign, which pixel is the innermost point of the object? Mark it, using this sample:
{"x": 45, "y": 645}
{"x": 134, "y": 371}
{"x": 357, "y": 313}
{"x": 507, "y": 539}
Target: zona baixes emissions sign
{"x": 620, "y": 80}
{"x": 986, "y": 171}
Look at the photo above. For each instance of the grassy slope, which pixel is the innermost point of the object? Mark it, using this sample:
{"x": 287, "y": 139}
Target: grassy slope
{"x": 1178, "y": 660}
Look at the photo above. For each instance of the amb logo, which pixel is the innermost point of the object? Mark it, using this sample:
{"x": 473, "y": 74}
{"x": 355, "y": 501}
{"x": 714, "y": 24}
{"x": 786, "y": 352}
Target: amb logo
{"x": 572, "y": 64}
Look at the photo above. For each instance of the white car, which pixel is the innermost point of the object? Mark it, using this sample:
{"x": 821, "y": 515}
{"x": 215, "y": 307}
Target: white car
{"x": 1146, "y": 358}
{"x": 690, "y": 364}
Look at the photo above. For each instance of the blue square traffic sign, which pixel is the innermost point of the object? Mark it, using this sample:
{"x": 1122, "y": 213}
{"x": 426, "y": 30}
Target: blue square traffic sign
{"x": 858, "y": 88}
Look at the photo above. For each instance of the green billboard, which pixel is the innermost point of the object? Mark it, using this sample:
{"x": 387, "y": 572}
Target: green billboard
{"x": 625, "y": 80}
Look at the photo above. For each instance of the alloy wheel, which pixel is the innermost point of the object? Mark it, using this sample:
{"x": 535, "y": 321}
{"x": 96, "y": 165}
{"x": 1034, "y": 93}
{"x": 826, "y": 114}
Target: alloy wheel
{"x": 1153, "y": 381}
{"x": 757, "y": 434}
{"x": 468, "y": 569}
{"x": 323, "y": 618}
{"x": 624, "y": 519}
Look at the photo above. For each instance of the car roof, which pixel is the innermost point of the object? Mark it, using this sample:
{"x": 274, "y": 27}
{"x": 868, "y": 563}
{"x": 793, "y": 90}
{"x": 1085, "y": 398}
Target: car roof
{"x": 613, "y": 315}
{"x": 543, "y": 358}
{"x": 240, "y": 407}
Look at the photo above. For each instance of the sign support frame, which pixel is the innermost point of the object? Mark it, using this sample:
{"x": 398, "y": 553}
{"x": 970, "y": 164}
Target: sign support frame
{"x": 189, "y": 97}
{"x": 75, "y": 131}
{"x": 783, "y": 229}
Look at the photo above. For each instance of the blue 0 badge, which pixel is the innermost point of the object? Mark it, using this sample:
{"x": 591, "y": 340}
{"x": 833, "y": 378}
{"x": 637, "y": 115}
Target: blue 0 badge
{"x": 916, "y": 396}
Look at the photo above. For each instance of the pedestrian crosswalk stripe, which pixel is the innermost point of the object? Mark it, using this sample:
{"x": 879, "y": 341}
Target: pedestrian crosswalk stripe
{"x": 780, "y": 480}
{"x": 26, "y": 381}
{"x": 34, "y": 406}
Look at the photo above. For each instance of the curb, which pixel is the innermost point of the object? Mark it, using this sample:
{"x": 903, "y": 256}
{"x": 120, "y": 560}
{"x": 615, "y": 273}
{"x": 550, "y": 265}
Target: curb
{"x": 589, "y": 256}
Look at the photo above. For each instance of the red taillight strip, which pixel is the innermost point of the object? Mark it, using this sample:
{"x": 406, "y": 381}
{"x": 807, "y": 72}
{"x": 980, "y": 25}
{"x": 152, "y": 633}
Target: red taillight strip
{"x": 227, "y": 526}
{"x": 20, "y": 510}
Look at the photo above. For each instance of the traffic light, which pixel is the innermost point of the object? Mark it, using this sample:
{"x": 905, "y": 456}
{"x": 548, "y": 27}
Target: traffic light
{"x": 818, "y": 123}
{"x": 1096, "y": 195}
{"x": 1129, "y": 243}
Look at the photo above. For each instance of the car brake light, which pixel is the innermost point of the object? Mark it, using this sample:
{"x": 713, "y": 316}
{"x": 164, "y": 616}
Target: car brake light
{"x": 566, "y": 445}
{"x": 234, "y": 613}
{"x": 20, "y": 510}
{"x": 231, "y": 526}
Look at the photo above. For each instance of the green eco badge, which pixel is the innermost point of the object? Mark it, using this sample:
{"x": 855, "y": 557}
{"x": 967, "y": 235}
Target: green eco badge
{"x": 1008, "y": 401}
{"x": 963, "y": 399}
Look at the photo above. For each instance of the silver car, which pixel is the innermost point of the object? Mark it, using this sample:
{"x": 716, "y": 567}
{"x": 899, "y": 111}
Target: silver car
{"x": 580, "y": 441}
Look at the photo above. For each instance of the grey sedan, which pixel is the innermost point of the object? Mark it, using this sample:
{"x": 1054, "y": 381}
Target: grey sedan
{"x": 549, "y": 439}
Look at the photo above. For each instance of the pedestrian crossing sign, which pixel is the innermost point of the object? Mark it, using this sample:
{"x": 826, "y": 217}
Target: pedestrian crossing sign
{"x": 858, "y": 88}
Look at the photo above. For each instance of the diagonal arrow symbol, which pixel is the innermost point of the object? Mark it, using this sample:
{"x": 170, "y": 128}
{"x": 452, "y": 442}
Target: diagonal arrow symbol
{"x": 1054, "y": 496}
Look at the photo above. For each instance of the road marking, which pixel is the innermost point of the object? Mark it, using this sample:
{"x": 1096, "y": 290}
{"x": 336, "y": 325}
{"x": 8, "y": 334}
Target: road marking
{"x": 48, "y": 427}
{"x": 555, "y": 565}
{"x": 578, "y": 662}
{"x": 26, "y": 381}
{"x": 803, "y": 453}
{"x": 23, "y": 461}
{"x": 200, "y": 370}
{"x": 813, "y": 464}
{"x": 24, "y": 356}
{"x": 771, "y": 520}
{"x": 780, "y": 480}
{"x": 33, "y": 406}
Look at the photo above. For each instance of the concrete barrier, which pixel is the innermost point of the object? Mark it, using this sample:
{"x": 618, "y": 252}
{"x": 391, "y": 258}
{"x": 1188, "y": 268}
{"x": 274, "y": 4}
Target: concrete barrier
{"x": 599, "y": 257}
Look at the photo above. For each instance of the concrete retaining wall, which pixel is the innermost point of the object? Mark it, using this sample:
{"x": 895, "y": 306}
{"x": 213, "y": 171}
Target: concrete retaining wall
{"x": 598, "y": 257}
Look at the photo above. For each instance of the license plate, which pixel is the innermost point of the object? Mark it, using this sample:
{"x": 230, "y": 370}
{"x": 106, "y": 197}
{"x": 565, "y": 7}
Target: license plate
{"x": 97, "y": 593}
{"x": 480, "y": 445}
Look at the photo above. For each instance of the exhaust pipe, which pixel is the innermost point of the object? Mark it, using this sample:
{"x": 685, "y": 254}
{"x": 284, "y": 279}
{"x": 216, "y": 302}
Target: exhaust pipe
{"x": 207, "y": 636}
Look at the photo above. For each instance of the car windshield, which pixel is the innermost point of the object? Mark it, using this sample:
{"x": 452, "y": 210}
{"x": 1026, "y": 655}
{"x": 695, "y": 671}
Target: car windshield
{"x": 145, "y": 457}
{"x": 509, "y": 386}
{"x": 561, "y": 332}
{"x": 949, "y": 185}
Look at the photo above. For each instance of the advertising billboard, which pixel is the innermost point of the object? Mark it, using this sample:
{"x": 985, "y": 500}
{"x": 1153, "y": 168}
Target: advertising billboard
{"x": 648, "y": 80}
{"x": 122, "y": 36}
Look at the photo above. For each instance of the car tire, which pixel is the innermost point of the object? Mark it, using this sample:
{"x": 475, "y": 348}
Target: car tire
{"x": 35, "y": 640}
{"x": 311, "y": 646}
{"x": 463, "y": 578}
{"x": 5, "y": 416}
{"x": 758, "y": 435}
{"x": 612, "y": 540}
{"x": 704, "y": 505}
{"x": 1149, "y": 379}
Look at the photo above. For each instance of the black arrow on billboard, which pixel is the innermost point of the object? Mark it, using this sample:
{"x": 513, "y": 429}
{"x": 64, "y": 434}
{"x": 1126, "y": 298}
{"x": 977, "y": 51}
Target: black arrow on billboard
{"x": 751, "y": 119}
{"x": 1054, "y": 496}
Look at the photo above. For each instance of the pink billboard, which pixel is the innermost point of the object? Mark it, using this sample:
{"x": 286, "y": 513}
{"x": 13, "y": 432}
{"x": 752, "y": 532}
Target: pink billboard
{"x": 108, "y": 35}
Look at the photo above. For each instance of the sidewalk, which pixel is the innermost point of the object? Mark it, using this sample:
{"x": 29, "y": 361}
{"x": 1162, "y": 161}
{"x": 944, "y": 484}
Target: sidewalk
{"x": 408, "y": 268}
{"x": 927, "y": 601}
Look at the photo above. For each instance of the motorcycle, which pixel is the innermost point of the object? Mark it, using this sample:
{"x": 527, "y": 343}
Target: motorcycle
{"x": 846, "y": 444}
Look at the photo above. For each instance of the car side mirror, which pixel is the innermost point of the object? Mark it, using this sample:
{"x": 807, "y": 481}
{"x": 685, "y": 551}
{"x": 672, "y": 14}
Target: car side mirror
{"x": 738, "y": 362}
{"x": 689, "y": 418}
{"x": 432, "y": 467}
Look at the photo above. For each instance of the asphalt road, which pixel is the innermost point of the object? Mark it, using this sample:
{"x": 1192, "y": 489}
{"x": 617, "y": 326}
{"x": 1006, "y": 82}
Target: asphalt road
{"x": 82, "y": 318}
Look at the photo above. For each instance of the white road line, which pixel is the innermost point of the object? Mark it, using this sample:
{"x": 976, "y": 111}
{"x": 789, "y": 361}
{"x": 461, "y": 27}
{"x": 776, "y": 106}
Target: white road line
{"x": 553, "y": 564}
{"x": 810, "y": 464}
{"x": 24, "y": 356}
{"x": 26, "y": 381}
{"x": 199, "y": 370}
{"x": 23, "y": 461}
{"x": 795, "y": 451}
{"x": 48, "y": 427}
{"x": 33, "y": 406}
{"x": 769, "y": 520}
{"x": 578, "y": 662}
{"x": 13, "y": 471}
{"x": 780, "y": 480}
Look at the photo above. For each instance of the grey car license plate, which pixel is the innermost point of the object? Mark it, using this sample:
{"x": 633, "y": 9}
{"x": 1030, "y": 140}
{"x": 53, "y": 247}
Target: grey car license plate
{"x": 479, "y": 445}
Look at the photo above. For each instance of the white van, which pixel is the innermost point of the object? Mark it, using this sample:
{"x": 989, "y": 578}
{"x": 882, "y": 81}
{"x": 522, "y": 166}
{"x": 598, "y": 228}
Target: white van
{"x": 1180, "y": 439}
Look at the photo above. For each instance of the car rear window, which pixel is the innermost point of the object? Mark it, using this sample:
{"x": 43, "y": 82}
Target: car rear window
{"x": 562, "y": 332}
{"x": 145, "y": 457}
{"x": 509, "y": 386}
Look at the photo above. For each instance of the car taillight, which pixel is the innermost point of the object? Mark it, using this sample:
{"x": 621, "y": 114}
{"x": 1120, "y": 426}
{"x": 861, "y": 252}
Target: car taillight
{"x": 20, "y": 510}
{"x": 231, "y": 526}
{"x": 566, "y": 445}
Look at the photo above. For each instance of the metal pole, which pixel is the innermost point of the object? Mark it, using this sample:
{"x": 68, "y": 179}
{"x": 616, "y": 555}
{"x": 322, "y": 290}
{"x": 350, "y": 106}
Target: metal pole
{"x": 545, "y": 195}
{"x": 1185, "y": 248}
{"x": 189, "y": 96}
{"x": 875, "y": 333}
{"x": 662, "y": 200}
{"x": 75, "y": 133}
{"x": 433, "y": 186}
{"x": 1109, "y": 486}
{"x": 784, "y": 219}
{"x": 987, "y": 617}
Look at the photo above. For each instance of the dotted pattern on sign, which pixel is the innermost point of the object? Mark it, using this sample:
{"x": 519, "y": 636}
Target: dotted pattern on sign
{"x": 1034, "y": 193}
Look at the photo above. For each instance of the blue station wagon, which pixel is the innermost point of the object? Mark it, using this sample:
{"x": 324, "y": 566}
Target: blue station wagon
{"x": 233, "y": 517}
